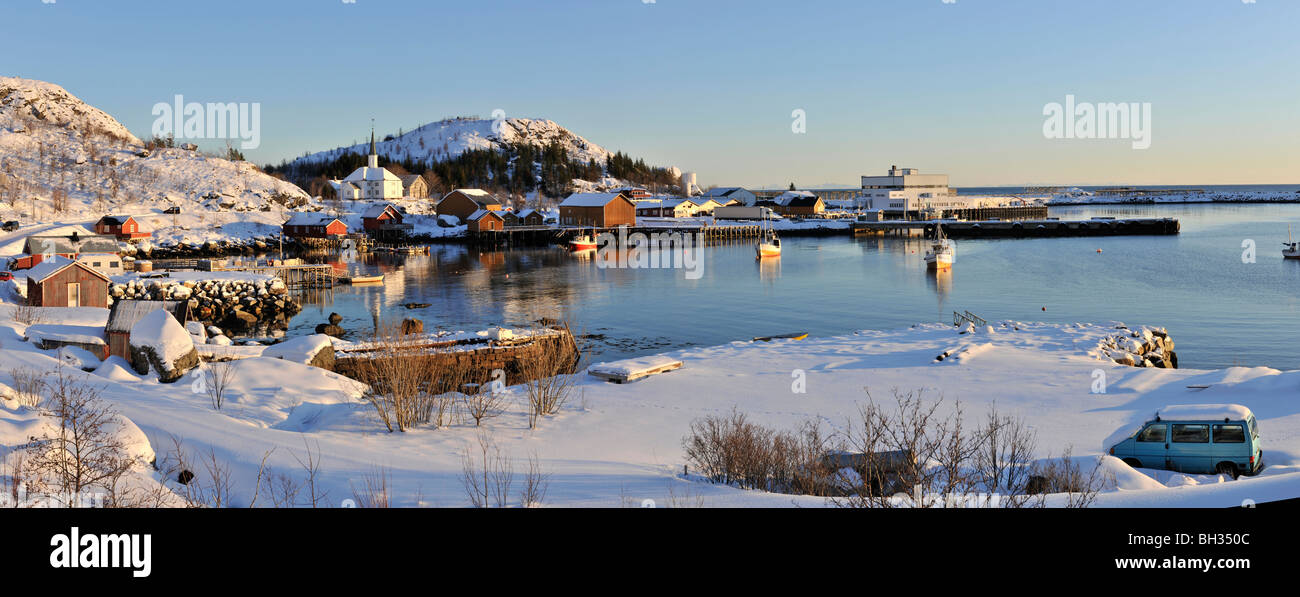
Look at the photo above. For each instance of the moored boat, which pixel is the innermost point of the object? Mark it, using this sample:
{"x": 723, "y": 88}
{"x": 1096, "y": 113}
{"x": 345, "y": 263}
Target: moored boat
{"x": 1290, "y": 248}
{"x": 582, "y": 242}
{"x": 941, "y": 252}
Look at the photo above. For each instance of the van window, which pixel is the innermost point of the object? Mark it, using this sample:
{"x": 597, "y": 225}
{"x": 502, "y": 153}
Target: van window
{"x": 1154, "y": 433}
{"x": 1229, "y": 434}
{"x": 1191, "y": 434}
{"x": 1254, "y": 429}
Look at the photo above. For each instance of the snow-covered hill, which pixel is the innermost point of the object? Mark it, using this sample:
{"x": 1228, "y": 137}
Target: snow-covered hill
{"x": 447, "y": 139}
{"x": 62, "y": 160}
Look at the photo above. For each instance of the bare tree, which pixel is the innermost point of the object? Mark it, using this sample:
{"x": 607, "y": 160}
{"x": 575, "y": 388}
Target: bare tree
{"x": 220, "y": 376}
{"x": 310, "y": 464}
{"x": 86, "y": 450}
{"x": 549, "y": 381}
{"x": 536, "y": 482}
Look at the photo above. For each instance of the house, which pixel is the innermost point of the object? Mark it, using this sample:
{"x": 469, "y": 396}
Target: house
{"x": 668, "y": 208}
{"x": 705, "y": 205}
{"x": 109, "y": 264}
{"x": 372, "y": 182}
{"x": 126, "y": 313}
{"x": 599, "y": 210}
{"x": 384, "y": 221}
{"x": 740, "y": 195}
{"x": 799, "y": 203}
{"x": 314, "y": 225}
{"x": 346, "y": 191}
{"x": 122, "y": 227}
{"x": 635, "y": 193}
{"x": 414, "y": 186}
{"x": 36, "y": 248}
{"x": 62, "y": 282}
{"x": 484, "y": 220}
{"x": 464, "y": 202}
{"x": 530, "y": 217}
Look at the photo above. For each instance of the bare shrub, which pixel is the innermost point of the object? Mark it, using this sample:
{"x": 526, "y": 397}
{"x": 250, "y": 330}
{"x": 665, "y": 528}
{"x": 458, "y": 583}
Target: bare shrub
{"x": 731, "y": 450}
{"x": 536, "y": 482}
{"x": 220, "y": 376}
{"x": 310, "y": 463}
{"x": 1005, "y": 458}
{"x": 29, "y": 386}
{"x": 26, "y": 314}
{"x": 1066, "y": 476}
{"x": 374, "y": 490}
{"x": 407, "y": 382}
{"x": 550, "y": 381}
{"x": 487, "y": 474}
{"x": 483, "y": 404}
{"x": 284, "y": 490}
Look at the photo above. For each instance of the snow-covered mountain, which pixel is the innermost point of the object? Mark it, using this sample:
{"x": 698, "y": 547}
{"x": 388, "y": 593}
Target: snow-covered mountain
{"x": 66, "y": 161}
{"x": 447, "y": 139}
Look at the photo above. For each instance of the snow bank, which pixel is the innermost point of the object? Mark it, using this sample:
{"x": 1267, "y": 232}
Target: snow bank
{"x": 160, "y": 342}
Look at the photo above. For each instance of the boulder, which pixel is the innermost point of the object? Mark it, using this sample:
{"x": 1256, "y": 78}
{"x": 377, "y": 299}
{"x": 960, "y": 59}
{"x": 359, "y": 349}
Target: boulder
{"x": 412, "y": 326}
{"x": 160, "y": 343}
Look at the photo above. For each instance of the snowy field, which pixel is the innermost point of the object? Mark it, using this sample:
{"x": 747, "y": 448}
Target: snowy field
{"x": 616, "y": 445}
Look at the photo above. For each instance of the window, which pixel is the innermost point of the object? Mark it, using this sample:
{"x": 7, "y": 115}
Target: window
{"x": 1229, "y": 434}
{"x": 1153, "y": 433}
{"x": 1191, "y": 434}
{"x": 114, "y": 264}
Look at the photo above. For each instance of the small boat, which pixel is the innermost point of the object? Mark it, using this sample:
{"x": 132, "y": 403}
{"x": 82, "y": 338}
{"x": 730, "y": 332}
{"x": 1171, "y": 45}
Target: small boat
{"x": 1290, "y": 248}
{"x": 795, "y": 336}
{"x": 769, "y": 245}
{"x": 582, "y": 242}
{"x": 376, "y": 279}
{"x": 941, "y": 253}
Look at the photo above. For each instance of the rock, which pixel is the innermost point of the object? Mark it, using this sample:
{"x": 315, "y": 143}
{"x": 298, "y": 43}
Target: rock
{"x": 330, "y": 330}
{"x": 239, "y": 320}
{"x": 412, "y": 326}
{"x": 160, "y": 343}
{"x": 335, "y": 319}
{"x": 1037, "y": 484}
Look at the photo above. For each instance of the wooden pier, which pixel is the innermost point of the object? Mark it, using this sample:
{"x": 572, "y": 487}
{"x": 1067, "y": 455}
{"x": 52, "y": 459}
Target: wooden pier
{"x": 1021, "y": 228}
{"x": 293, "y": 276}
{"x": 532, "y": 236}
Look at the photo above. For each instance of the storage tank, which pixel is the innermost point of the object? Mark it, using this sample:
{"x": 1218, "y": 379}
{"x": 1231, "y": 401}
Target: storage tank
{"x": 688, "y": 183}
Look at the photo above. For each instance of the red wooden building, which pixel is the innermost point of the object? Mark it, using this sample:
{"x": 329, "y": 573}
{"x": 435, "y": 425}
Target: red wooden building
{"x": 598, "y": 210}
{"x": 306, "y": 225}
{"x": 62, "y": 282}
{"x": 484, "y": 219}
{"x": 123, "y": 227}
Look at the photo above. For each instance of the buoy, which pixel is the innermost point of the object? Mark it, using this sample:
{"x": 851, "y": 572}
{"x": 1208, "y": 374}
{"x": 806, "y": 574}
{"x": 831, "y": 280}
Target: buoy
{"x": 1098, "y": 250}
{"x": 1044, "y": 308}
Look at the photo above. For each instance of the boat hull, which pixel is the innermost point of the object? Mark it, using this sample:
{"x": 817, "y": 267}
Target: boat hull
{"x": 764, "y": 251}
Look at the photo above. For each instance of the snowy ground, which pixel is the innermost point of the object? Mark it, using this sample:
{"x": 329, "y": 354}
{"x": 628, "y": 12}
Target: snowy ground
{"x": 617, "y": 445}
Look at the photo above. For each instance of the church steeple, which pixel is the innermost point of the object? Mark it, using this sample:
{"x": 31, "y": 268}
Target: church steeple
{"x": 373, "y": 160}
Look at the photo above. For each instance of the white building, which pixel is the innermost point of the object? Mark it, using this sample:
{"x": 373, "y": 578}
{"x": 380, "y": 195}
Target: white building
{"x": 109, "y": 264}
{"x": 370, "y": 182}
{"x": 906, "y": 189}
{"x": 723, "y": 195}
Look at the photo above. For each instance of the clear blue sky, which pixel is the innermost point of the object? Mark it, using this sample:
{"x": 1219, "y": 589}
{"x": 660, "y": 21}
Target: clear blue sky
{"x": 709, "y": 85}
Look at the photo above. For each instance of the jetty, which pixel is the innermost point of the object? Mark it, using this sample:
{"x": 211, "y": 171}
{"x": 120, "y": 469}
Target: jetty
{"x": 1046, "y": 228}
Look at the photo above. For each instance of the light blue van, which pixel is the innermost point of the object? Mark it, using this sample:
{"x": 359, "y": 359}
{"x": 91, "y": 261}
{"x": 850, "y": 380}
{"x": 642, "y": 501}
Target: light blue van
{"x": 1199, "y": 439}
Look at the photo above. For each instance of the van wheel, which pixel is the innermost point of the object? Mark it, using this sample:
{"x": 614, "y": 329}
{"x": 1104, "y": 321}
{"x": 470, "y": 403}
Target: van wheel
{"x": 1227, "y": 468}
{"x": 1133, "y": 462}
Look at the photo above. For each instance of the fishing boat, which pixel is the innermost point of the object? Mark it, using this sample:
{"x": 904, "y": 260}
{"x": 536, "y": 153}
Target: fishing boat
{"x": 1290, "y": 248}
{"x": 769, "y": 245}
{"x": 582, "y": 242}
{"x": 941, "y": 253}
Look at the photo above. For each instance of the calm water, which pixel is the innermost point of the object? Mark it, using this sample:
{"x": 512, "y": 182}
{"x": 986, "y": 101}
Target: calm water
{"x": 1220, "y": 311}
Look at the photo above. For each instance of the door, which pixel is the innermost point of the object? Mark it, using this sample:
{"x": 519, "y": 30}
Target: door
{"x": 1151, "y": 445}
{"x": 1228, "y": 444}
{"x": 74, "y": 294}
{"x": 1189, "y": 447}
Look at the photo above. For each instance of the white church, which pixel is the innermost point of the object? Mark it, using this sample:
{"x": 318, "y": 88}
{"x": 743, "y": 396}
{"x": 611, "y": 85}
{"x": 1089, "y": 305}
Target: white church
{"x": 370, "y": 182}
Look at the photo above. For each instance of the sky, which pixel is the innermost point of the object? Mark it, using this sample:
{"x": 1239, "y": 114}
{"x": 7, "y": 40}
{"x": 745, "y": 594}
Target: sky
{"x": 712, "y": 86}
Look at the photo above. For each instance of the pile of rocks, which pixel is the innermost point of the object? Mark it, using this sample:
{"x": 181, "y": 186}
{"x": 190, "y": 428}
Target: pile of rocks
{"x": 1142, "y": 347}
{"x": 238, "y": 306}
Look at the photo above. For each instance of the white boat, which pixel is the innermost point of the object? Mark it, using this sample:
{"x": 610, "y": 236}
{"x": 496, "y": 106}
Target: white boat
{"x": 769, "y": 245}
{"x": 1290, "y": 248}
{"x": 941, "y": 253}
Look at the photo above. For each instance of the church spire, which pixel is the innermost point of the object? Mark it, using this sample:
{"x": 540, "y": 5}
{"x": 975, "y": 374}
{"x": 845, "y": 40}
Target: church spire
{"x": 373, "y": 160}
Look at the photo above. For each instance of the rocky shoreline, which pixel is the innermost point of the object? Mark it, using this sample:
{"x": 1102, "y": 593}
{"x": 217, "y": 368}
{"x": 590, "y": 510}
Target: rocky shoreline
{"x": 237, "y": 306}
{"x": 1145, "y": 346}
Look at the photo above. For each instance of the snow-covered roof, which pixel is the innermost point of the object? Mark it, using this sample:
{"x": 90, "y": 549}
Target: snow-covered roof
{"x": 160, "y": 331}
{"x": 1205, "y": 412}
{"x": 309, "y": 219}
{"x": 85, "y": 243}
{"x": 366, "y": 173}
{"x": 54, "y": 265}
{"x": 722, "y": 191}
{"x": 126, "y": 313}
{"x": 115, "y": 220}
{"x": 374, "y": 211}
{"x": 527, "y": 212}
{"x": 589, "y": 199}
{"x": 474, "y": 217}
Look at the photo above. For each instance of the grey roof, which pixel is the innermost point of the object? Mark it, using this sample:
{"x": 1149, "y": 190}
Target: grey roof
{"x": 48, "y": 267}
{"x": 85, "y": 243}
{"x": 722, "y": 191}
{"x": 126, "y": 313}
{"x": 309, "y": 219}
{"x": 374, "y": 211}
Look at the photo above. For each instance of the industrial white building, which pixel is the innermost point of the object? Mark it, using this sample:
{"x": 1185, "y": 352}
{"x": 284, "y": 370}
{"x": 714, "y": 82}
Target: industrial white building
{"x": 906, "y": 189}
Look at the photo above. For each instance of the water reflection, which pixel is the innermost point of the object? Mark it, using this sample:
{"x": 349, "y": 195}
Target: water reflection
{"x": 769, "y": 270}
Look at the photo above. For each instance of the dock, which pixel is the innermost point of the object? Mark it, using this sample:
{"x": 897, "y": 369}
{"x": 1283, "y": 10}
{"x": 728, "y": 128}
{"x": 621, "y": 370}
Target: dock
{"x": 293, "y": 276}
{"x": 533, "y": 236}
{"x": 1047, "y": 228}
